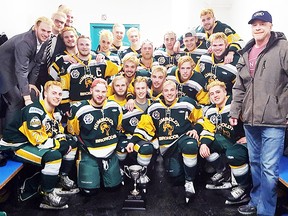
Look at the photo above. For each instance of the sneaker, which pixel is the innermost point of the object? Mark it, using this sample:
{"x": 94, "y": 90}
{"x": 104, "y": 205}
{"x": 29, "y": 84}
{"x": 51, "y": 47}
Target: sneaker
{"x": 247, "y": 210}
{"x": 237, "y": 195}
{"x": 143, "y": 180}
{"x": 53, "y": 201}
{"x": 189, "y": 190}
{"x": 66, "y": 183}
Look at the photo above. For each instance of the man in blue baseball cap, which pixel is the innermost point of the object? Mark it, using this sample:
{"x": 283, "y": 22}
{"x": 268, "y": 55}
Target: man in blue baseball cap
{"x": 260, "y": 100}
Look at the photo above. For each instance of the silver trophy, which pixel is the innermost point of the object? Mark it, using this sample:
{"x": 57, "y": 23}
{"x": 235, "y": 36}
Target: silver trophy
{"x": 135, "y": 200}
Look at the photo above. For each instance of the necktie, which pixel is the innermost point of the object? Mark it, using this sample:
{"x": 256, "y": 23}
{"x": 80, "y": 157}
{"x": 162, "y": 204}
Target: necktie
{"x": 49, "y": 54}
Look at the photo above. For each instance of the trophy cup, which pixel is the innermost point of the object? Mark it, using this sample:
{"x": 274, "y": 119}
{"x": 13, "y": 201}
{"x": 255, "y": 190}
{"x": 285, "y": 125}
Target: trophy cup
{"x": 135, "y": 200}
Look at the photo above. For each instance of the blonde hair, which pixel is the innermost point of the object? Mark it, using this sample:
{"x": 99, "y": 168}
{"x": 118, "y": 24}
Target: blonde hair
{"x": 131, "y": 30}
{"x": 106, "y": 33}
{"x": 59, "y": 13}
{"x": 159, "y": 68}
{"x": 139, "y": 79}
{"x": 216, "y": 83}
{"x": 67, "y": 28}
{"x": 50, "y": 83}
{"x": 217, "y": 36}
{"x": 169, "y": 82}
{"x": 44, "y": 20}
{"x": 184, "y": 59}
{"x": 207, "y": 11}
{"x": 118, "y": 25}
{"x": 131, "y": 57}
{"x": 170, "y": 33}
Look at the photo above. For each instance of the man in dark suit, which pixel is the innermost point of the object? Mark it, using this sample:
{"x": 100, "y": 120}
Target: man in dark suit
{"x": 55, "y": 46}
{"x": 20, "y": 59}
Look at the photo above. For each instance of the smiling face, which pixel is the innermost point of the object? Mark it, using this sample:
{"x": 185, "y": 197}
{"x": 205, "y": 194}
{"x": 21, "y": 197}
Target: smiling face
{"x": 169, "y": 92}
{"x": 99, "y": 93}
{"x": 140, "y": 89}
{"x": 217, "y": 95}
{"x": 53, "y": 96}
{"x": 219, "y": 47}
{"x": 261, "y": 30}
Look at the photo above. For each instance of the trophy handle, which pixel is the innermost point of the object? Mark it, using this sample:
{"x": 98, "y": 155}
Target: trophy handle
{"x": 127, "y": 171}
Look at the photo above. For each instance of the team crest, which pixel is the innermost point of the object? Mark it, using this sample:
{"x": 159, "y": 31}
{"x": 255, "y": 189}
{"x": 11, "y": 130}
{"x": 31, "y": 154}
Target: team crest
{"x": 88, "y": 119}
{"x": 177, "y": 56}
{"x": 161, "y": 60}
{"x": 156, "y": 115}
{"x": 214, "y": 119}
{"x": 202, "y": 67}
{"x": 133, "y": 121}
{"x": 74, "y": 74}
{"x": 35, "y": 122}
{"x": 228, "y": 31}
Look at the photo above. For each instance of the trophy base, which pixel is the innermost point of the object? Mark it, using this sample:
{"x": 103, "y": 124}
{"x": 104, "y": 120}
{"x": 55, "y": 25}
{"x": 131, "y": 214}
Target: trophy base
{"x": 134, "y": 203}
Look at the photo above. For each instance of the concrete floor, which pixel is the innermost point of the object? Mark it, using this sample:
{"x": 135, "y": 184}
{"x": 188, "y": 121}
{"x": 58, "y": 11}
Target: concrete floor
{"x": 161, "y": 199}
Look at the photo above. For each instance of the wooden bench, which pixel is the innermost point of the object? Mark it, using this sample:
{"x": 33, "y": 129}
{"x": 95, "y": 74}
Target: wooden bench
{"x": 283, "y": 171}
{"x": 7, "y": 172}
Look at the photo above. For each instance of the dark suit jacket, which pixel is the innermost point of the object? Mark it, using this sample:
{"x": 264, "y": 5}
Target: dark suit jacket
{"x": 19, "y": 63}
{"x": 43, "y": 73}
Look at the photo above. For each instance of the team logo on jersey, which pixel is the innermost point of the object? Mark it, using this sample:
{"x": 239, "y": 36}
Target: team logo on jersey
{"x": 35, "y": 122}
{"x": 156, "y": 115}
{"x": 161, "y": 60}
{"x": 214, "y": 119}
{"x": 228, "y": 31}
{"x": 177, "y": 56}
{"x": 88, "y": 118}
{"x": 104, "y": 127}
{"x": 202, "y": 67}
{"x": 168, "y": 127}
{"x": 133, "y": 121}
{"x": 74, "y": 74}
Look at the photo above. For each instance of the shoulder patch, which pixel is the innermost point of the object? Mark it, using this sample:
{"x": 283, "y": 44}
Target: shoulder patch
{"x": 35, "y": 122}
{"x": 228, "y": 31}
{"x": 36, "y": 110}
{"x": 88, "y": 118}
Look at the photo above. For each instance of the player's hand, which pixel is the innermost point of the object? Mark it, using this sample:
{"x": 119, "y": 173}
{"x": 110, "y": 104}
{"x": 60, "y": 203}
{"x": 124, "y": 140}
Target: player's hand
{"x": 130, "y": 105}
{"x": 130, "y": 147}
{"x": 204, "y": 151}
{"x": 193, "y": 133}
{"x": 229, "y": 57}
{"x": 242, "y": 140}
{"x": 233, "y": 121}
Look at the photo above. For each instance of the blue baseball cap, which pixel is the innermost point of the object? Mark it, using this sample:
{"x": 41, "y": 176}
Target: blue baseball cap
{"x": 264, "y": 16}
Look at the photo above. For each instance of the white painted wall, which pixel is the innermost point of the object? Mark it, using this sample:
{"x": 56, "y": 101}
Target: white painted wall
{"x": 154, "y": 16}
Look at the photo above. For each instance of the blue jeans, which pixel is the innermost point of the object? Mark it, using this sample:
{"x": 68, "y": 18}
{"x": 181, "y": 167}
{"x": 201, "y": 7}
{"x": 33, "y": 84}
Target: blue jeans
{"x": 265, "y": 148}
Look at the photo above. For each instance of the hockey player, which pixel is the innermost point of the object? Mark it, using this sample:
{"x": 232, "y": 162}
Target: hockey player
{"x": 37, "y": 137}
{"x": 158, "y": 77}
{"x": 213, "y": 67}
{"x": 166, "y": 56}
{"x": 78, "y": 77}
{"x": 176, "y": 123}
{"x": 229, "y": 145}
{"x": 96, "y": 122}
{"x": 142, "y": 152}
{"x": 193, "y": 47}
{"x": 189, "y": 83}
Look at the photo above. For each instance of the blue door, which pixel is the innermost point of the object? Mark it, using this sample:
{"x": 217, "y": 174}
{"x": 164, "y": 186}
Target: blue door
{"x": 95, "y": 28}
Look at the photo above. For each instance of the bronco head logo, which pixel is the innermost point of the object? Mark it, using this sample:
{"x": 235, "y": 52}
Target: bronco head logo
{"x": 167, "y": 126}
{"x": 105, "y": 128}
